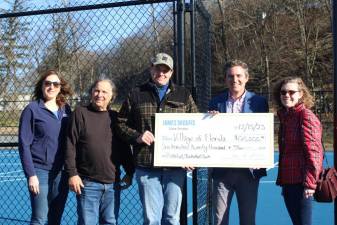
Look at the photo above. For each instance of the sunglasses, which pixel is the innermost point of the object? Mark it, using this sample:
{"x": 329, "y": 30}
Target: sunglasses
{"x": 290, "y": 92}
{"x": 48, "y": 83}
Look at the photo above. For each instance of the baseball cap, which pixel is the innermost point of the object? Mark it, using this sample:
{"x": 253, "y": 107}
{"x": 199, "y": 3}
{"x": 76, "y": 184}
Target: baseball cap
{"x": 163, "y": 58}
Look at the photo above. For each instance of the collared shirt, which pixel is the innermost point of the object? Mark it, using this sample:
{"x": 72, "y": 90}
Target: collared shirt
{"x": 161, "y": 91}
{"x": 235, "y": 105}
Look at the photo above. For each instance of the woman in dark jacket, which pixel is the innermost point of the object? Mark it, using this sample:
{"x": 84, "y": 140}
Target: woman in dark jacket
{"x": 41, "y": 135}
{"x": 300, "y": 147}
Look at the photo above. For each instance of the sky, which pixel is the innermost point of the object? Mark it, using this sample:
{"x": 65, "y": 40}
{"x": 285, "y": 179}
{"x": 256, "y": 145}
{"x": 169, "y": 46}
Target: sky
{"x": 102, "y": 28}
{"x": 126, "y": 19}
{"x": 46, "y": 3}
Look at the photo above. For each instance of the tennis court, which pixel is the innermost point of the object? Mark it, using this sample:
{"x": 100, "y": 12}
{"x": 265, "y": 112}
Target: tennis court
{"x": 16, "y": 207}
{"x": 271, "y": 208}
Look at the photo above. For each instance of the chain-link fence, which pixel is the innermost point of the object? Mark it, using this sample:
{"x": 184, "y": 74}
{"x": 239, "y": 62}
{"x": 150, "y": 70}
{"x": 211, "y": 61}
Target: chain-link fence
{"x": 108, "y": 38}
{"x": 111, "y": 38}
{"x": 203, "y": 35}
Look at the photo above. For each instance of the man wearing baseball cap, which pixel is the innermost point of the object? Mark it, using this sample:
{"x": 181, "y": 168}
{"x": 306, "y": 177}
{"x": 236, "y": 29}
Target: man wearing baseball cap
{"x": 160, "y": 189}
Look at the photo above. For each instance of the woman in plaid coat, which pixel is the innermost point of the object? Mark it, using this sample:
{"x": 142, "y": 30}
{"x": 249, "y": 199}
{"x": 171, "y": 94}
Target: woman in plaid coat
{"x": 300, "y": 147}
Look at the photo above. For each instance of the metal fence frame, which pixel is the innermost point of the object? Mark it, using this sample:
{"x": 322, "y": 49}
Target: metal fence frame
{"x": 191, "y": 48}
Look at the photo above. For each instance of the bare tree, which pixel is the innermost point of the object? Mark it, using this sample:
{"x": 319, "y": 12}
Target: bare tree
{"x": 13, "y": 52}
{"x": 66, "y": 50}
{"x": 155, "y": 27}
{"x": 277, "y": 38}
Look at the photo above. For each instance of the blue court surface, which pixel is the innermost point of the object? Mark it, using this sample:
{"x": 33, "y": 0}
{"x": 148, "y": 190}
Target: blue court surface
{"x": 15, "y": 207}
{"x": 271, "y": 208}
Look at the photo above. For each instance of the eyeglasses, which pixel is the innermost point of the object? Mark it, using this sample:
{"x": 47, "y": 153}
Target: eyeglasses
{"x": 290, "y": 92}
{"x": 48, "y": 83}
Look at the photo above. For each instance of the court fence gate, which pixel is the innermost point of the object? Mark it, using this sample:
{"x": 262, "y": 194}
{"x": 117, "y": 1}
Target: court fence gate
{"x": 107, "y": 38}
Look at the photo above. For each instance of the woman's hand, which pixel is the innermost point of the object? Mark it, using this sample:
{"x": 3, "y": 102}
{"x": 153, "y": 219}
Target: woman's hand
{"x": 33, "y": 185}
{"x": 308, "y": 192}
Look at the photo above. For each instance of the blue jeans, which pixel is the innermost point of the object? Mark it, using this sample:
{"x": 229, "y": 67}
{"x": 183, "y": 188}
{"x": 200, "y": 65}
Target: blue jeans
{"x": 160, "y": 192}
{"x": 49, "y": 204}
{"x": 299, "y": 207}
{"x": 96, "y": 204}
{"x": 228, "y": 181}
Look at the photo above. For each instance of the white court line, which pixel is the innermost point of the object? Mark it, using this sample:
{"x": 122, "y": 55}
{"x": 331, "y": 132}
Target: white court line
{"x": 10, "y": 164}
{"x": 16, "y": 171}
{"x": 11, "y": 176}
{"x": 3, "y": 181}
{"x": 204, "y": 206}
{"x": 189, "y": 174}
{"x": 268, "y": 182}
{"x": 275, "y": 165}
{"x": 191, "y": 214}
{"x": 10, "y": 155}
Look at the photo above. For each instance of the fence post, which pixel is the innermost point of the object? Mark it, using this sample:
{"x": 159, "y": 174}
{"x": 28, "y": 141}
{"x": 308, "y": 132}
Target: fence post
{"x": 181, "y": 41}
{"x": 194, "y": 94}
{"x": 181, "y": 79}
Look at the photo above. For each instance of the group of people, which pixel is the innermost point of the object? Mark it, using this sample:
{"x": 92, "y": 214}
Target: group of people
{"x": 300, "y": 148}
{"x": 84, "y": 149}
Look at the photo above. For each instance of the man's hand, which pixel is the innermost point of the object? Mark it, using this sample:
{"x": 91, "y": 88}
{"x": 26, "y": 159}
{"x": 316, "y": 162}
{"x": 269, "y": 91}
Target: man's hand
{"x": 213, "y": 112}
{"x": 147, "y": 137}
{"x": 188, "y": 168}
{"x": 75, "y": 184}
{"x": 33, "y": 185}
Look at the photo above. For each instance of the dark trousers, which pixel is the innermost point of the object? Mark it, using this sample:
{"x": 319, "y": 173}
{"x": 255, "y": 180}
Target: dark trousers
{"x": 299, "y": 207}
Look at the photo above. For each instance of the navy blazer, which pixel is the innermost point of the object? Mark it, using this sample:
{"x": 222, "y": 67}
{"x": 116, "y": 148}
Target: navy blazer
{"x": 252, "y": 104}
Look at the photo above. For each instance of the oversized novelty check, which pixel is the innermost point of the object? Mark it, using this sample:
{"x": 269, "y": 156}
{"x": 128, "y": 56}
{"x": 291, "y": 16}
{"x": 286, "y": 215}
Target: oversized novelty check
{"x": 243, "y": 140}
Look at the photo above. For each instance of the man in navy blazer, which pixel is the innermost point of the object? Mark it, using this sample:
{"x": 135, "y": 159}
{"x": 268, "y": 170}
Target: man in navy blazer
{"x": 243, "y": 182}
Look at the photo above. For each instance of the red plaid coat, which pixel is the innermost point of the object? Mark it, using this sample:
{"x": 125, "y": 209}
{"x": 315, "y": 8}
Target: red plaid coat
{"x": 300, "y": 146}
